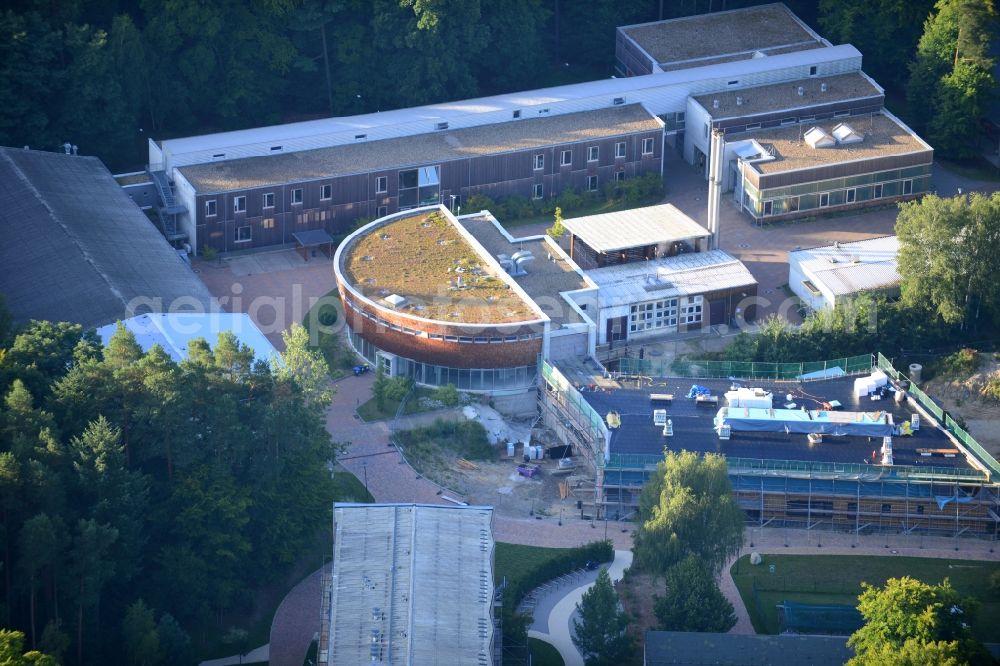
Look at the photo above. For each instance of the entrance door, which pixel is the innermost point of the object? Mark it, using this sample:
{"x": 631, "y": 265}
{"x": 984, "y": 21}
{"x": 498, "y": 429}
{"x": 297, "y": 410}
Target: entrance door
{"x": 717, "y": 310}
{"x": 617, "y": 329}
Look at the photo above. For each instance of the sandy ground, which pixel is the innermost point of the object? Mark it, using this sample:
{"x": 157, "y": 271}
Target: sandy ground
{"x": 962, "y": 396}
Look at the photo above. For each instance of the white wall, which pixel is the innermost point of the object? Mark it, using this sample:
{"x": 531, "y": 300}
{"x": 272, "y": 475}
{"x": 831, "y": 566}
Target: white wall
{"x": 185, "y": 195}
{"x": 796, "y": 275}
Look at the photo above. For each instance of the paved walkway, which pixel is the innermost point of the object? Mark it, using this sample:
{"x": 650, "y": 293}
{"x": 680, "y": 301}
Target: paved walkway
{"x": 255, "y": 656}
{"x": 557, "y": 628}
{"x": 296, "y": 622}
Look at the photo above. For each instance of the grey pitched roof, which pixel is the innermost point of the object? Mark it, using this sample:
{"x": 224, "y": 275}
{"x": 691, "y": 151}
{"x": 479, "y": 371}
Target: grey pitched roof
{"x": 694, "y": 649}
{"x": 74, "y": 247}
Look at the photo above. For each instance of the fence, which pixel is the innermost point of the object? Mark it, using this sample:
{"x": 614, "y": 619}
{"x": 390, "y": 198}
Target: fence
{"x": 743, "y": 369}
{"x": 583, "y": 415}
{"x": 945, "y": 418}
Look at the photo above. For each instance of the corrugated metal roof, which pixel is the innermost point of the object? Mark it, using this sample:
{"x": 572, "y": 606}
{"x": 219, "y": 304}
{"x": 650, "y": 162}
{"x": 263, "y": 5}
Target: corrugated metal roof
{"x": 174, "y": 331}
{"x": 429, "y": 148}
{"x": 662, "y": 93}
{"x": 849, "y": 268}
{"x": 683, "y": 275}
{"x": 411, "y": 584}
{"x": 637, "y": 227}
{"x": 76, "y": 247}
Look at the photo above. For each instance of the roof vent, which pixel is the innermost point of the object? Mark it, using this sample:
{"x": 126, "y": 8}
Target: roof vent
{"x": 441, "y": 126}
{"x": 715, "y": 103}
{"x": 275, "y": 147}
{"x": 823, "y": 87}
{"x": 394, "y": 301}
{"x": 739, "y": 101}
{"x": 618, "y": 101}
{"x": 801, "y": 91}
{"x": 517, "y": 113}
{"x": 758, "y": 54}
{"x": 845, "y": 134}
{"x": 816, "y": 137}
{"x": 359, "y": 137}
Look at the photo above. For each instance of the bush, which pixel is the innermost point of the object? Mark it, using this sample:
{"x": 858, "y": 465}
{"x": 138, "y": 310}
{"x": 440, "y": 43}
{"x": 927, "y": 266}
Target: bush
{"x": 991, "y": 389}
{"x": 478, "y": 202}
{"x": 995, "y": 583}
{"x": 208, "y": 253}
{"x": 570, "y": 199}
{"x": 397, "y": 388}
{"x": 557, "y": 230}
{"x": 962, "y": 363}
{"x": 447, "y": 395}
{"x": 327, "y": 314}
{"x": 466, "y": 438}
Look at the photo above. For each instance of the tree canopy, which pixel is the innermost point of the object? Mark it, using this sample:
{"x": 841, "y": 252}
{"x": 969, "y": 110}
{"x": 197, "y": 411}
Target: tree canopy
{"x": 911, "y": 623}
{"x": 142, "y": 499}
{"x": 692, "y": 601}
{"x": 687, "y": 508}
{"x": 600, "y": 633}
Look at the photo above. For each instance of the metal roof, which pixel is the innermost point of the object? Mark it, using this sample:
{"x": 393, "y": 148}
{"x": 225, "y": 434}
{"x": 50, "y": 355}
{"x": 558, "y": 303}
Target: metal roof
{"x": 411, "y": 584}
{"x": 683, "y": 275}
{"x": 666, "y": 92}
{"x": 174, "y": 331}
{"x": 849, "y": 268}
{"x": 670, "y": 648}
{"x": 77, "y": 248}
{"x": 428, "y": 148}
{"x": 638, "y": 227}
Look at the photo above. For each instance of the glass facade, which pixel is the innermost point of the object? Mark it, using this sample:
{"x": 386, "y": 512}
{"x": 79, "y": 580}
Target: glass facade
{"x": 419, "y": 187}
{"x": 466, "y": 379}
{"x": 836, "y": 191}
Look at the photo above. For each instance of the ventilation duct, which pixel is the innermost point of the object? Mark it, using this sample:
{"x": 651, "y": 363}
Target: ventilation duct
{"x": 518, "y": 261}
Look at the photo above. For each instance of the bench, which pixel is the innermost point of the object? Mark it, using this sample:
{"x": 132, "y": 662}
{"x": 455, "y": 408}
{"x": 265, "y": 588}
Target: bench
{"x": 706, "y": 400}
{"x": 661, "y": 397}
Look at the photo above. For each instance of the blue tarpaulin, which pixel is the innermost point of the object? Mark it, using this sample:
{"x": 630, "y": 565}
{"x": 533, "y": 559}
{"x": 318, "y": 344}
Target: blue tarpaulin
{"x": 697, "y": 390}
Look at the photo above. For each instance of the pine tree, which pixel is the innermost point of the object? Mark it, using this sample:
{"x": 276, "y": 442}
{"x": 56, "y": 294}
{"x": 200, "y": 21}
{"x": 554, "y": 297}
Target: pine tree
{"x": 600, "y": 633}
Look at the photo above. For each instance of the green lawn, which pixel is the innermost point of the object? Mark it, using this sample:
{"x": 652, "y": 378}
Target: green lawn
{"x": 369, "y": 410}
{"x": 513, "y": 560}
{"x": 836, "y": 579}
{"x": 544, "y": 654}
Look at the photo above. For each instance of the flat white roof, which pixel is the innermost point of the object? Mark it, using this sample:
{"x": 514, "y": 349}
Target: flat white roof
{"x": 174, "y": 331}
{"x": 637, "y": 227}
{"x": 660, "y": 93}
{"x": 683, "y": 275}
{"x": 849, "y": 268}
{"x": 411, "y": 584}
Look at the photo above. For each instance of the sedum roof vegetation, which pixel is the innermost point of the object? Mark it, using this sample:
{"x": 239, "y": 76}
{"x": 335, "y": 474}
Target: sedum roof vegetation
{"x": 425, "y": 259}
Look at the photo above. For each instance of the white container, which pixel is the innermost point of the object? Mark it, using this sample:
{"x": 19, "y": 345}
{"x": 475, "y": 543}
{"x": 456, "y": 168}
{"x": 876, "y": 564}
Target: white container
{"x": 539, "y": 451}
{"x": 510, "y": 449}
{"x": 879, "y": 378}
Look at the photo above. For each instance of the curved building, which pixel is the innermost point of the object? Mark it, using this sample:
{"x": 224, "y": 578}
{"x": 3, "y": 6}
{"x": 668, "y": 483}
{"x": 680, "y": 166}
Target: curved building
{"x": 423, "y": 299}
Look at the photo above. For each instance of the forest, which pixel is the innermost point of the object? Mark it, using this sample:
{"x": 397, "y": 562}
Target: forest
{"x": 107, "y": 74}
{"x": 143, "y": 500}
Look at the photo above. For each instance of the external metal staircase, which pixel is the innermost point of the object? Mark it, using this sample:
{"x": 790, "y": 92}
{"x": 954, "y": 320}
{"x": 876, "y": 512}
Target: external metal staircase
{"x": 168, "y": 208}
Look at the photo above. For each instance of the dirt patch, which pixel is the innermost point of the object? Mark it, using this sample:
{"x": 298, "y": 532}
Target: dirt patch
{"x": 636, "y": 594}
{"x": 963, "y": 396}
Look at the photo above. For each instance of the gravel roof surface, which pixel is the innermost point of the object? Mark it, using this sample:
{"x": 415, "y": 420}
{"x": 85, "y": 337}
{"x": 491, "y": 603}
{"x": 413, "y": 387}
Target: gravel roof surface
{"x": 420, "y": 149}
{"x": 883, "y": 136}
{"x": 785, "y": 95}
{"x": 416, "y": 257}
{"x": 721, "y": 34}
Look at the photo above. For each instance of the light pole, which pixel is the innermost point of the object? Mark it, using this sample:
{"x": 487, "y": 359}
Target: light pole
{"x": 453, "y": 197}
{"x": 364, "y": 467}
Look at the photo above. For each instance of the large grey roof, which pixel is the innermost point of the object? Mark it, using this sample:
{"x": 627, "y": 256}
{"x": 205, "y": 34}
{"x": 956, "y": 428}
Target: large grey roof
{"x": 694, "y": 649}
{"x": 76, "y": 248}
{"x": 427, "y": 148}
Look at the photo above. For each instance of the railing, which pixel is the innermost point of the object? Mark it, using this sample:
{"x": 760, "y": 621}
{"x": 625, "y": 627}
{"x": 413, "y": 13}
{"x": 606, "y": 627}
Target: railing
{"x": 571, "y": 399}
{"x": 949, "y": 423}
{"x": 744, "y": 369}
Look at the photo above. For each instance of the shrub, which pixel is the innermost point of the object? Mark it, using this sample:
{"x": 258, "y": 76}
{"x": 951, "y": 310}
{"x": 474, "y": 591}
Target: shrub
{"x": 448, "y": 395}
{"x": 991, "y": 389}
{"x": 327, "y": 315}
{"x": 995, "y": 583}
{"x": 478, "y": 202}
{"x": 963, "y": 362}
{"x": 208, "y": 253}
{"x": 570, "y": 199}
{"x": 557, "y": 230}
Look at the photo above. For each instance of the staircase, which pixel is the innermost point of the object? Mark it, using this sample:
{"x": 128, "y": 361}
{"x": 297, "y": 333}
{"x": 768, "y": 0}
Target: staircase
{"x": 169, "y": 209}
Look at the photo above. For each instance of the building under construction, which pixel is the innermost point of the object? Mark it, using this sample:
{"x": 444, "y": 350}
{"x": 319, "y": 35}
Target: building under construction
{"x": 852, "y": 446}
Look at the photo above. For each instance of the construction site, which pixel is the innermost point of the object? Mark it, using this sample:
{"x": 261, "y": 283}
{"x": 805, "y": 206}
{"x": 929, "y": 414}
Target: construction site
{"x": 850, "y": 445}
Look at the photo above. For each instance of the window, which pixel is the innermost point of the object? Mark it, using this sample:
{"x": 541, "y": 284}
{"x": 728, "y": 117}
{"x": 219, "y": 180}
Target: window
{"x": 691, "y": 313}
{"x": 841, "y": 114}
{"x": 210, "y": 208}
{"x": 812, "y": 70}
{"x": 647, "y": 146}
{"x": 618, "y": 101}
{"x": 419, "y": 187}
{"x": 619, "y": 176}
{"x": 593, "y": 153}
{"x": 566, "y": 158}
{"x": 788, "y": 121}
{"x": 679, "y": 120}
{"x": 807, "y": 119}
{"x": 886, "y": 508}
{"x": 733, "y": 83}
{"x": 824, "y": 200}
{"x": 243, "y": 234}
{"x": 297, "y": 195}
{"x": 706, "y": 130}
{"x": 753, "y": 126}
{"x": 269, "y": 200}
{"x": 620, "y": 149}
{"x": 591, "y": 183}
{"x": 877, "y": 191}
{"x": 768, "y": 207}
{"x": 537, "y": 190}
{"x": 539, "y": 161}
{"x": 441, "y": 126}
{"x": 653, "y": 315}
{"x": 381, "y": 184}
{"x": 907, "y": 187}
{"x": 326, "y": 193}
{"x": 920, "y": 509}
{"x": 267, "y": 223}
{"x": 381, "y": 211}
{"x": 850, "y": 196}
{"x": 852, "y": 507}
{"x": 275, "y": 147}
{"x": 517, "y": 113}
{"x": 240, "y": 204}
{"x": 360, "y": 137}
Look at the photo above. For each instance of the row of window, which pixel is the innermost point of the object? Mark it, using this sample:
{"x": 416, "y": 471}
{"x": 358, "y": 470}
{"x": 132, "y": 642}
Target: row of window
{"x": 664, "y": 314}
{"x": 538, "y": 189}
{"x": 840, "y": 197}
{"x": 593, "y": 154}
{"x": 465, "y": 339}
{"x": 326, "y": 194}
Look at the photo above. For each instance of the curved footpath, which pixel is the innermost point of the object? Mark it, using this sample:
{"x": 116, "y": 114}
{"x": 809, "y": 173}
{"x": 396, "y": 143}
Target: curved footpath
{"x": 556, "y": 627}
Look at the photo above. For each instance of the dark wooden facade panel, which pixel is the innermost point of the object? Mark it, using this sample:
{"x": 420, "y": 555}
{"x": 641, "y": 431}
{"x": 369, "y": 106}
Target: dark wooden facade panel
{"x": 842, "y": 170}
{"x": 856, "y": 107}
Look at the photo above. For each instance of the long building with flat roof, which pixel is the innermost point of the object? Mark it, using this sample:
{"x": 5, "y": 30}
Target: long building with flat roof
{"x": 410, "y": 584}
